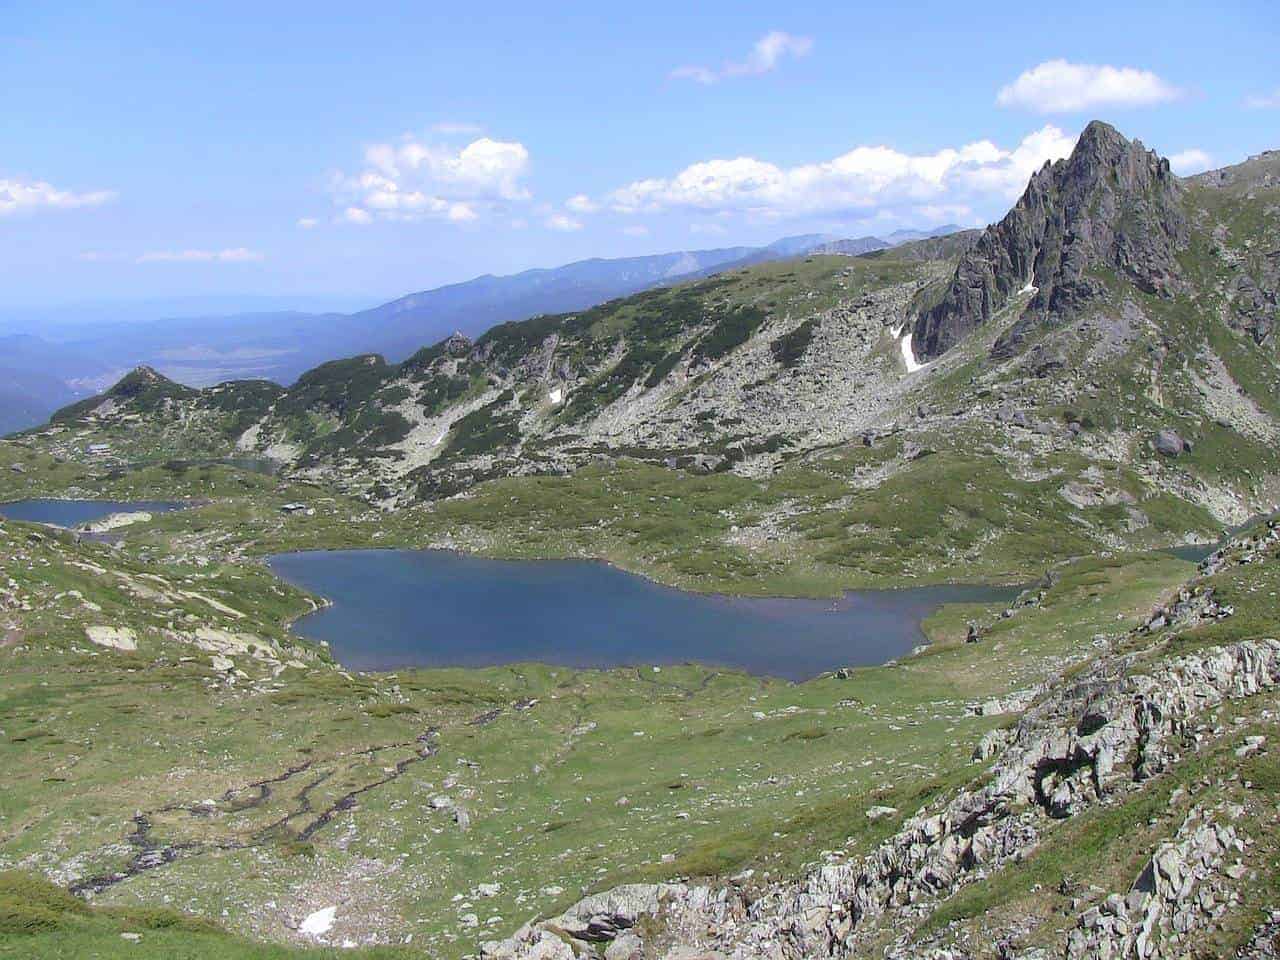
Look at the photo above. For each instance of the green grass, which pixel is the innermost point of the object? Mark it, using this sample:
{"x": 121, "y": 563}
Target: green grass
{"x": 719, "y": 769}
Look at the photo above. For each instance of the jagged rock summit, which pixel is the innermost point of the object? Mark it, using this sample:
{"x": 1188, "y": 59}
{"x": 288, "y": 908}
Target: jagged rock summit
{"x": 1112, "y": 206}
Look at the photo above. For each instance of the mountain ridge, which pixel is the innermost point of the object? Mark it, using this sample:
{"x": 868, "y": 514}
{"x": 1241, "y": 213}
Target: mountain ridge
{"x": 1089, "y": 273}
{"x": 281, "y": 345}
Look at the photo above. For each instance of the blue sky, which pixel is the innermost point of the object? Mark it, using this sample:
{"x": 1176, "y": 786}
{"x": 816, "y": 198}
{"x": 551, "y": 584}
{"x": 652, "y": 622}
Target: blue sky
{"x": 361, "y": 151}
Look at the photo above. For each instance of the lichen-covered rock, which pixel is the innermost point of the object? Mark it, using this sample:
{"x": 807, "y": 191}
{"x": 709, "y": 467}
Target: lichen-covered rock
{"x": 1173, "y": 896}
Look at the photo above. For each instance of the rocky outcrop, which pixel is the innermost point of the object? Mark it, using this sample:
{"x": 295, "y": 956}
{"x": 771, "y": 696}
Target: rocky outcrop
{"x": 117, "y": 638}
{"x": 1112, "y": 205}
{"x": 1106, "y": 732}
{"x": 1182, "y": 889}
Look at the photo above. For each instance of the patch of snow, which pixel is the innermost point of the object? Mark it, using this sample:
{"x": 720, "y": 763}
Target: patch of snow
{"x": 1029, "y": 288}
{"x": 556, "y": 396}
{"x": 319, "y": 923}
{"x": 908, "y": 355}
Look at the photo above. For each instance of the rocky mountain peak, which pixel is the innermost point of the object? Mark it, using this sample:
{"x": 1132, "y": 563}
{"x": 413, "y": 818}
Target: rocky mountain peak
{"x": 139, "y": 378}
{"x": 1112, "y": 206}
{"x": 457, "y": 345}
{"x": 148, "y": 373}
{"x": 144, "y": 384}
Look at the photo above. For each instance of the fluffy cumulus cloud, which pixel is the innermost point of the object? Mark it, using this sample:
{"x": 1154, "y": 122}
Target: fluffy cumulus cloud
{"x": 24, "y": 196}
{"x": 1059, "y": 86}
{"x": 769, "y": 51}
{"x": 866, "y": 181}
{"x": 232, "y": 255}
{"x": 1264, "y": 101}
{"x": 414, "y": 180}
{"x": 1187, "y": 162}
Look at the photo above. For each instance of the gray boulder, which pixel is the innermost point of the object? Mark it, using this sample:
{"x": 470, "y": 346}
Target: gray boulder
{"x": 1169, "y": 443}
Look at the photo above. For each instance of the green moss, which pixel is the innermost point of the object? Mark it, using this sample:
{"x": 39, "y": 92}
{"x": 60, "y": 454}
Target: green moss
{"x": 789, "y": 348}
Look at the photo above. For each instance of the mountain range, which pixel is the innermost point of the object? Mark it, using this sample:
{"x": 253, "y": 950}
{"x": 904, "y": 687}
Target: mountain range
{"x": 205, "y": 349}
{"x": 1116, "y": 310}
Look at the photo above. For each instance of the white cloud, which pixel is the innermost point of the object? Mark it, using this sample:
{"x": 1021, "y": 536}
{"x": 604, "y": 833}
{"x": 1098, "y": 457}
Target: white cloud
{"x": 355, "y": 215}
{"x": 704, "y": 75}
{"x": 636, "y": 230}
{"x": 1058, "y": 86}
{"x": 461, "y": 212}
{"x": 306, "y": 223}
{"x": 581, "y": 203}
{"x": 1191, "y": 161}
{"x": 865, "y": 181}
{"x": 414, "y": 180}
{"x": 707, "y": 229}
{"x": 1264, "y": 101}
{"x": 765, "y": 56}
{"x": 232, "y": 255}
{"x": 20, "y": 196}
{"x": 558, "y": 221}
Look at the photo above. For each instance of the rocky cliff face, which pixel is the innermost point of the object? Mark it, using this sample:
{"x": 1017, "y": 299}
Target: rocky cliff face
{"x": 1112, "y": 207}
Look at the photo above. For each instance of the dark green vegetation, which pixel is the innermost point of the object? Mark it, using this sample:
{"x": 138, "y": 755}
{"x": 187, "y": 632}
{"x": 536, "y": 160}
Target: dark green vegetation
{"x": 144, "y": 390}
{"x": 789, "y": 348}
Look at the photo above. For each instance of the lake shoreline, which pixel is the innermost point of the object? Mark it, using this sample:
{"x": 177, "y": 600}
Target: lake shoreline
{"x": 408, "y": 609}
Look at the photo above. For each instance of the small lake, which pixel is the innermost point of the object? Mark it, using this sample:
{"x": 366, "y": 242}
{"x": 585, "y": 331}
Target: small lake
{"x": 435, "y": 608}
{"x": 1195, "y": 552}
{"x": 72, "y": 513}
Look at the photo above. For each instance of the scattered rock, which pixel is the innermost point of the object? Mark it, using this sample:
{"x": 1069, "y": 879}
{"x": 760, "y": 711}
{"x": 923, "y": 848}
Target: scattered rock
{"x": 1169, "y": 443}
{"x": 118, "y": 638}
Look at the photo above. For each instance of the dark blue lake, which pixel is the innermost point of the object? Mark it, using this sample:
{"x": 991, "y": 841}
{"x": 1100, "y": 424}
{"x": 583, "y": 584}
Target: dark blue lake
{"x": 72, "y": 513}
{"x": 433, "y": 608}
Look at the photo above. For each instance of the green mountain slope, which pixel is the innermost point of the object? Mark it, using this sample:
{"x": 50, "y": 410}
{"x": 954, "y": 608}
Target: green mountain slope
{"x": 1104, "y": 358}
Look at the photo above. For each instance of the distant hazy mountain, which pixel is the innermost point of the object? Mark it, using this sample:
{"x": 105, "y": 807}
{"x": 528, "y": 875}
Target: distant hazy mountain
{"x": 854, "y": 247}
{"x": 79, "y": 357}
{"x": 398, "y": 328}
{"x": 905, "y": 236}
{"x": 30, "y": 390}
